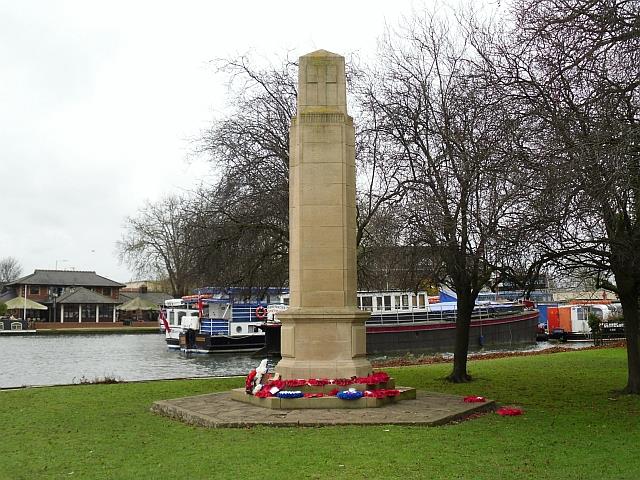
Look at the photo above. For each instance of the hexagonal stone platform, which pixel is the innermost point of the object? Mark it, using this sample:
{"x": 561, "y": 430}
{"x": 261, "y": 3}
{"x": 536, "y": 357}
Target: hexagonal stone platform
{"x": 218, "y": 410}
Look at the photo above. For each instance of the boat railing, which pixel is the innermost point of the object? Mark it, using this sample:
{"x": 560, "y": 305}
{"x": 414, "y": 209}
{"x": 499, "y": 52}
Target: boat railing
{"x": 401, "y": 317}
{"x": 247, "y": 312}
{"x": 214, "y": 326}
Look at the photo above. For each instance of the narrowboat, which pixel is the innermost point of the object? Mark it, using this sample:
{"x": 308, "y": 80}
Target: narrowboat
{"x": 403, "y": 322}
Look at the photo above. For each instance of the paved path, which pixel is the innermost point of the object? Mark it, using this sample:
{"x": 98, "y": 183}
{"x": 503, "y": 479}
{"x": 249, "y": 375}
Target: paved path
{"x": 217, "y": 410}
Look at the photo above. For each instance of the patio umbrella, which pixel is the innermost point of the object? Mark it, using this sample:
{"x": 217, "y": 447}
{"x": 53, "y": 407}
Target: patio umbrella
{"x": 138, "y": 304}
{"x": 18, "y": 304}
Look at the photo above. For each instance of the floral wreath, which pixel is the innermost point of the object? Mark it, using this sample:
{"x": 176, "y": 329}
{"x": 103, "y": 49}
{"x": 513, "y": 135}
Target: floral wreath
{"x": 259, "y": 384}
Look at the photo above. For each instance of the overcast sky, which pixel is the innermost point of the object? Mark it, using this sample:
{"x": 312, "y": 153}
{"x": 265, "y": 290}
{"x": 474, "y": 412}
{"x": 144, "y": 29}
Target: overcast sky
{"x": 99, "y": 101}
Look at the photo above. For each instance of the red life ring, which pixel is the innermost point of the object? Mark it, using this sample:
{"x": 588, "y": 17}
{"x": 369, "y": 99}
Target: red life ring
{"x": 261, "y": 312}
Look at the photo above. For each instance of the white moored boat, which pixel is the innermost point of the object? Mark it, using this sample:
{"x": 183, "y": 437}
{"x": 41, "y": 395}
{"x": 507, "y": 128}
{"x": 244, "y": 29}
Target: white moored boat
{"x": 219, "y": 325}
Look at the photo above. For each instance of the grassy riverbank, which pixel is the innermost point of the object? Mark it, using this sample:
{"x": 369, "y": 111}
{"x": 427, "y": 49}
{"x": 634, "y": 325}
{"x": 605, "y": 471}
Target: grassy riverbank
{"x": 574, "y": 428}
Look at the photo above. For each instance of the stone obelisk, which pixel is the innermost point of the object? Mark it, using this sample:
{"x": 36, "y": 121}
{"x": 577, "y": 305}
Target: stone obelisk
{"x": 323, "y": 332}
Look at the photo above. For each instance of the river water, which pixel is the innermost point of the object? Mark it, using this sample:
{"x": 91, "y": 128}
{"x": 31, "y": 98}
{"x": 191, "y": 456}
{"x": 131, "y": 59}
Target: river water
{"x": 65, "y": 359}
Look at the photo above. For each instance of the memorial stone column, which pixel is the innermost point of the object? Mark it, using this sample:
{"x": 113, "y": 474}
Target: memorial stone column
{"x": 323, "y": 331}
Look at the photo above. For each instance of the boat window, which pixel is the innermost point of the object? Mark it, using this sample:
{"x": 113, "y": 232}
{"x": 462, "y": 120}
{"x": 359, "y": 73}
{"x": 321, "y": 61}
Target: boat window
{"x": 597, "y": 312}
{"x": 405, "y": 302}
{"x": 367, "y": 303}
{"x": 421, "y": 300}
{"x": 615, "y": 308}
{"x": 396, "y": 302}
{"x": 581, "y": 313}
{"x": 379, "y": 303}
{"x": 414, "y": 300}
{"x": 387, "y": 302}
{"x": 180, "y": 315}
{"x": 16, "y": 326}
{"x": 1, "y": 325}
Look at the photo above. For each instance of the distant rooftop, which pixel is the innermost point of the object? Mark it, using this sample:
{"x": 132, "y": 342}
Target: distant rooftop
{"x": 66, "y": 278}
{"x": 155, "y": 297}
{"x": 84, "y": 296}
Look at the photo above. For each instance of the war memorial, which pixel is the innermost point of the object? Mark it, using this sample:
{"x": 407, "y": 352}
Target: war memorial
{"x": 323, "y": 377}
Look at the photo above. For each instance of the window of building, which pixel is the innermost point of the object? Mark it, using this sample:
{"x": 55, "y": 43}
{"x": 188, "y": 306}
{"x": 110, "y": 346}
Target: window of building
{"x": 88, "y": 313}
{"x": 55, "y": 291}
{"x": 106, "y": 313}
{"x": 34, "y": 290}
{"x": 106, "y": 291}
{"x": 71, "y": 313}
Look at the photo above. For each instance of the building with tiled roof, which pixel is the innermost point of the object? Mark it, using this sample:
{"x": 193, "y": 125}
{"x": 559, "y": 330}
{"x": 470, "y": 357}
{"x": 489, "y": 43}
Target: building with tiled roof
{"x": 71, "y": 296}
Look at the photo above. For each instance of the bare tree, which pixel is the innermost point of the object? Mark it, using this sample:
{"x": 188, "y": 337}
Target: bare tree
{"x": 243, "y": 219}
{"x": 158, "y": 242}
{"x": 235, "y": 249}
{"x": 576, "y": 66}
{"x": 380, "y": 171}
{"x": 10, "y": 270}
{"x": 248, "y": 209}
{"x": 459, "y": 144}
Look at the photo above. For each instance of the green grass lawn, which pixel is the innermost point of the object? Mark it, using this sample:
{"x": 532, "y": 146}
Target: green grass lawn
{"x": 574, "y": 428}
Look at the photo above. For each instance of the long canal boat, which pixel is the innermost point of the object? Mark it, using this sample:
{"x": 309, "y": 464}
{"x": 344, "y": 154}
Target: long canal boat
{"x": 404, "y": 322}
{"x": 400, "y": 322}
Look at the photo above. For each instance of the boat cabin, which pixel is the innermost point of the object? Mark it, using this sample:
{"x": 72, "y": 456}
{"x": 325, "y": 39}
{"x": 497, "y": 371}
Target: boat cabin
{"x": 392, "y": 301}
{"x": 9, "y": 324}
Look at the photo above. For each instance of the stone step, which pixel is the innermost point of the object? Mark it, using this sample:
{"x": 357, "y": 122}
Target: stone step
{"x": 239, "y": 395}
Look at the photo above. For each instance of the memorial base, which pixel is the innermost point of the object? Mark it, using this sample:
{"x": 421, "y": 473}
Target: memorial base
{"x": 323, "y": 343}
{"x": 327, "y": 401}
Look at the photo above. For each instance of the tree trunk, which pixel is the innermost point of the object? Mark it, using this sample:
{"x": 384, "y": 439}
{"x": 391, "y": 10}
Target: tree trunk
{"x": 461, "y": 350}
{"x": 628, "y": 290}
{"x": 631, "y": 332}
